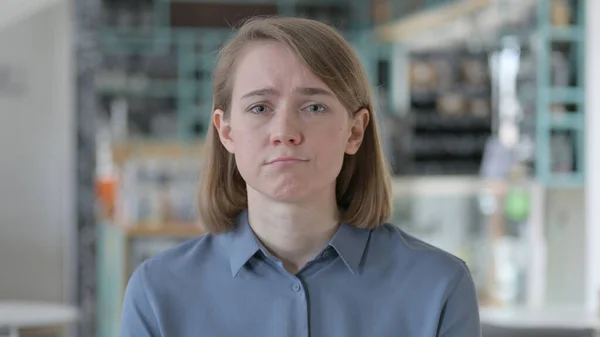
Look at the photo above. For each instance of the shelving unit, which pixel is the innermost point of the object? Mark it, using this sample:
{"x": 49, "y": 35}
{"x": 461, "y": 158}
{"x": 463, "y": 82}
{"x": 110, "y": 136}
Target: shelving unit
{"x": 561, "y": 28}
{"x": 555, "y": 110}
{"x": 183, "y": 91}
{"x": 450, "y": 112}
{"x": 166, "y": 53}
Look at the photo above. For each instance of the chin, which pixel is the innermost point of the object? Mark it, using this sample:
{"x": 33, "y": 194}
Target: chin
{"x": 289, "y": 194}
{"x": 286, "y": 193}
{"x": 292, "y": 190}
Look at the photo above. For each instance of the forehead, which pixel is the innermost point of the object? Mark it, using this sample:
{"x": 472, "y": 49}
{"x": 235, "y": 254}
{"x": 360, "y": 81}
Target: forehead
{"x": 272, "y": 64}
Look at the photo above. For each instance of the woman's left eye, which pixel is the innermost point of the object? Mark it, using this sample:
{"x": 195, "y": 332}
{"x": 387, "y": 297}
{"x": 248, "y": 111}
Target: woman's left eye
{"x": 315, "y": 108}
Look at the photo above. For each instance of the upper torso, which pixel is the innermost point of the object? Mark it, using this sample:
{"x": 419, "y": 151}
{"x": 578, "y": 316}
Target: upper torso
{"x": 378, "y": 282}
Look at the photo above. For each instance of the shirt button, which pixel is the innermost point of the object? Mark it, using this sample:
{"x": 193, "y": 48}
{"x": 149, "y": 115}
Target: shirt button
{"x": 326, "y": 254}
{"x": 296, "y": 287}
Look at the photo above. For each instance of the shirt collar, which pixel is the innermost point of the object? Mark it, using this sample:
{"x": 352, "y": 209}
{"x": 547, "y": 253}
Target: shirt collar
{"x": 243, "y": 244}
{"x": 349, "y": 242}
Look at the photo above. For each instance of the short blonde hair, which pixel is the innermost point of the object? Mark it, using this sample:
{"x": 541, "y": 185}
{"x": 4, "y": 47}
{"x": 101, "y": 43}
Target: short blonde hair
{"x": 363, "y": 188}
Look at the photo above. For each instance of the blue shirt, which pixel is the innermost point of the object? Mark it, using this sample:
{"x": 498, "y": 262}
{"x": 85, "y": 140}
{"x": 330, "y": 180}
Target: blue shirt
{"x": 379, "y": 282}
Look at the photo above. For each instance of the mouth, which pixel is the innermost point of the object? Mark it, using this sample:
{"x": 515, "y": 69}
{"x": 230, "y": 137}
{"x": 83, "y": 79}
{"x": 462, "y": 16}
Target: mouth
{"x": 286, "y": 161}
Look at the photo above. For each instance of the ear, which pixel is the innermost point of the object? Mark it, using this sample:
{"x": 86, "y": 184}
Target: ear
{"x": 224, "y": 129}
{"x": 357, "y": 130}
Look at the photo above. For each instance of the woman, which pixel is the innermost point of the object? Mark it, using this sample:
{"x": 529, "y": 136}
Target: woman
{"x": 294, "y": 196}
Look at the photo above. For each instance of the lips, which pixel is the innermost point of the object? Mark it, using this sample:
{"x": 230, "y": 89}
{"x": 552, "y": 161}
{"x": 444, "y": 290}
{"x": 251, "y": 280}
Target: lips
{"x": 286, "y": 161}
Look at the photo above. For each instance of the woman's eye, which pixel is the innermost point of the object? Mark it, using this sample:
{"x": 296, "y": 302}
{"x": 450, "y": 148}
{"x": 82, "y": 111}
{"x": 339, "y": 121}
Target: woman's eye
{"x": 259, "y": 109}
{"x": 315, "y": 108}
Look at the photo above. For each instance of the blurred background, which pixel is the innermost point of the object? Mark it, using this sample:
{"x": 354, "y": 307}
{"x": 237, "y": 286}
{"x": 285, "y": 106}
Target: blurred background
{"x": 486, "y": 109}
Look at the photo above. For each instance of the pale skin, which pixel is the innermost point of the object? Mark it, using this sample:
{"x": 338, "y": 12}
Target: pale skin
{"x": 289, "y": 134}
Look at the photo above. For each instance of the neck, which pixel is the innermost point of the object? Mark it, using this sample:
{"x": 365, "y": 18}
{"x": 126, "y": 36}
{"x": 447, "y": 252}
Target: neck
{"x": 293, "y": 232}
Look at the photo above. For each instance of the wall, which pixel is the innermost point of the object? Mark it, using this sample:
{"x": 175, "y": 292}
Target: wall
{"x": 565, "y": 236}
{"x": 592, "y": 110}
{"x": 36, "y": 153}
{"x": 12, "y": 11}
{"x": 573, "y": 267}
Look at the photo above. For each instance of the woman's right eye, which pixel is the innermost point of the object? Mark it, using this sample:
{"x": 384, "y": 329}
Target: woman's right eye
{"x": 259, "y": 109}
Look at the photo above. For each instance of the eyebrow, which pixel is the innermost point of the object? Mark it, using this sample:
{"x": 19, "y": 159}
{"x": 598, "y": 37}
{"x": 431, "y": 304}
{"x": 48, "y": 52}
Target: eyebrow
{"x": 307, "y": 91}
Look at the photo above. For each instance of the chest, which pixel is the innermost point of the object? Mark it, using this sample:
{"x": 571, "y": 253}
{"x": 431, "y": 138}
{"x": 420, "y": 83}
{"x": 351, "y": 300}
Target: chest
{"x": 305, "y": 308}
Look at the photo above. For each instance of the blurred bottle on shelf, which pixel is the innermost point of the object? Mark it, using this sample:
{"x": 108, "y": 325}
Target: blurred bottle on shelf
{"x": 422, "y": 76}
{"x": 451, "y": 104}
{"x": 560, "y": 12}
{"x": 159, "y": 191}
{"x": 479, "y": 107}
{"x": 562, "y": 152}
{"x": 106, "y": 179}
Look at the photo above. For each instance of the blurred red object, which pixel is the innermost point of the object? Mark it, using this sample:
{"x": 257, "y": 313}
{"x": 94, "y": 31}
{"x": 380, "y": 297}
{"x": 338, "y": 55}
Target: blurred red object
{"x": 106, "y": 194}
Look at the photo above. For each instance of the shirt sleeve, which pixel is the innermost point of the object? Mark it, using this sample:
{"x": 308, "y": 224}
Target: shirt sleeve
{"x": 460, "y": 314}
{"x": 138, "y": 318}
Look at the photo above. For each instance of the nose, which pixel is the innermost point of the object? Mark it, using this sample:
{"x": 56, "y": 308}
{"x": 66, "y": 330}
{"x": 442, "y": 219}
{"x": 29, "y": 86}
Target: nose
{"x": 286, "y": 128}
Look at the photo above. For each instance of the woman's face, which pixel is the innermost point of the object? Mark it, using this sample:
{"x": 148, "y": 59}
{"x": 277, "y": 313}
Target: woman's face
{"x": 287, "y": 129}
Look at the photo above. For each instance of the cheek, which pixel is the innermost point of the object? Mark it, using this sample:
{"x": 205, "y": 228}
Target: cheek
{"x": 333, "y": 138}
{"x": 330, "y": 146}
{"x": 247, "y": 150}
{"x": 243, "y": 134}
{"x": 244, "y": 145}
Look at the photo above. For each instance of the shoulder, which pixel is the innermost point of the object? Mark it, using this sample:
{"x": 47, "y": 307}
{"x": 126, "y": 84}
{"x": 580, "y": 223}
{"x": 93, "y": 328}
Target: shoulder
{"x": 163, "y": 283}
{"x": 410, "y": 254}
{"x": 174, "y": 267}
{"x": 400, "y": 242}
{"x": 427, "y": 277}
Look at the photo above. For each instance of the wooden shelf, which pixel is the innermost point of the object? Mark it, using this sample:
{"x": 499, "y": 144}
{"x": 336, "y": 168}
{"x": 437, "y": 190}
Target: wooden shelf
{"x": 164, "y": 230}
{"x": 156, "y": 149}
{"x": 447, "y": 186}
{"x": 405, "y": 28}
